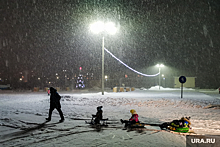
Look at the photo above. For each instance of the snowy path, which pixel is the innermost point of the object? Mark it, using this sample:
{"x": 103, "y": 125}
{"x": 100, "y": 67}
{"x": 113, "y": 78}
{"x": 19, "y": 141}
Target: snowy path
{"x": 23, "y": 114}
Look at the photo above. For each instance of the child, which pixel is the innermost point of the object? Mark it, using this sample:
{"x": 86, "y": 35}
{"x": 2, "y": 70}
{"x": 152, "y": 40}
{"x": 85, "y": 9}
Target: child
{"x": 132, "y": 120}
{"x": 48, "y": 91}
{"x": 98, "y": 115}
{"x": 183, "y": 122}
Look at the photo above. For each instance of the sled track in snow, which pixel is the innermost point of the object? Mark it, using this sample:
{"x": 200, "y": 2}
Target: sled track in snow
{"x": 49, "y": 130}
{"x": 25, "y": 133}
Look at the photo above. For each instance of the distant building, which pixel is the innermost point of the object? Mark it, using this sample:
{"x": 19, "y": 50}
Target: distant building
{"x": 190, "y": 82}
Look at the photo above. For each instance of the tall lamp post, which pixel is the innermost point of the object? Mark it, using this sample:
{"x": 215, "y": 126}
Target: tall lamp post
{"x": 101, "y": 27}
{"x": 159, "y": 66}
{"x": 64, "y": 78}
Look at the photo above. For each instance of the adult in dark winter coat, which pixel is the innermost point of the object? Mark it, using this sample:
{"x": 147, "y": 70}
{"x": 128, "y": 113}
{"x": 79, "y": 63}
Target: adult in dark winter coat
{"x": 55, "y": 104}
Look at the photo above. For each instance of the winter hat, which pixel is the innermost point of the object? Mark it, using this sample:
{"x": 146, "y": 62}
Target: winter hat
{"x": 99, "y": 108}
{"x": 52, "y": 89}
{"x": 133, "y": 111}
{"x": 184, "y": 118}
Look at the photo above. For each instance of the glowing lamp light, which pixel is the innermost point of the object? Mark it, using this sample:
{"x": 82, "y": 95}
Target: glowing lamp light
{"x": 99, "y": 27}
{"x": 80, "y": 68}
{"x": 110, "y": 28}
{"x": 160, "y": 65}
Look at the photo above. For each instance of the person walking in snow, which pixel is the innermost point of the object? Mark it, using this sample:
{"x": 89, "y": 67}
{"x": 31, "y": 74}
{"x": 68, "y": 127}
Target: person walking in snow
{"x": 55, "y": 104}
{"x": 132, "y": 120}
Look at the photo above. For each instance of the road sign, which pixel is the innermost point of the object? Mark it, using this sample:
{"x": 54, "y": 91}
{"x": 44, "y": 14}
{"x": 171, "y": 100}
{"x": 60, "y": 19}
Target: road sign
{"x": 182, "y": 79}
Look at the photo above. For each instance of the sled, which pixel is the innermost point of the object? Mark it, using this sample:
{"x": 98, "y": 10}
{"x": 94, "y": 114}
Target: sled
{"x": 103, "y": 122}
{"x": 137, "y": 125}
{"x": 180, "y": 129}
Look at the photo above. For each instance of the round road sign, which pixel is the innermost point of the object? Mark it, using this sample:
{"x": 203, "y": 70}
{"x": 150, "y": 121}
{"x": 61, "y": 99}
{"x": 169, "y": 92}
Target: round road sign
{"x": 182, "y": 79}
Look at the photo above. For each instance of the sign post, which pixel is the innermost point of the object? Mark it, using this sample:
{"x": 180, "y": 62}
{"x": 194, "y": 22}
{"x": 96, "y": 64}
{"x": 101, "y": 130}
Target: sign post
{"x": 182, "y": 79}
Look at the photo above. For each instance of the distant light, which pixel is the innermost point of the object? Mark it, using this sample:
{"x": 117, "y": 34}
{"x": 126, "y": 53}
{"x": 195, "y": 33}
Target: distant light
{"x": 80, "y": 68}
{"x": 106, "y": 77}
{"x": 20, "y": 79}
{"x": 38, "y": 78}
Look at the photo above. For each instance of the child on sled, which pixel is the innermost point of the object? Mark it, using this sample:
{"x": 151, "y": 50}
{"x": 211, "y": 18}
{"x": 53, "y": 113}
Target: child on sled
{"x": 132, "y": 120}
{"x": 98, "y": 116}
{"x": 184, "y": 122}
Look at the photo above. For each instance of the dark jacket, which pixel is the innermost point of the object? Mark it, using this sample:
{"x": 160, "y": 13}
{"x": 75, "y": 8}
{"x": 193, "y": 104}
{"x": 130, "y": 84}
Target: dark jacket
{"x": 54, "y": 98}
{"x": 98, "y": 115}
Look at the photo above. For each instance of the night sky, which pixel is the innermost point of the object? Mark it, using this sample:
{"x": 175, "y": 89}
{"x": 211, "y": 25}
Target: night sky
{"x": 47, "y": 36}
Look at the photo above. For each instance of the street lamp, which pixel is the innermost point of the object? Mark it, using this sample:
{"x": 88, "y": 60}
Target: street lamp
{"x": 106, "y": 78}
{"x": 159, "y": 66}
{"x": 164, "y": 80}
{"x": 101, "y": 27}
{"x": 64, "y": 78}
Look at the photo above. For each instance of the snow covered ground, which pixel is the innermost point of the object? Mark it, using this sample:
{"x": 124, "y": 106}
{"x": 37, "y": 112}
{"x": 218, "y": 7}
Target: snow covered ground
{"x": 23, "y": 115}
